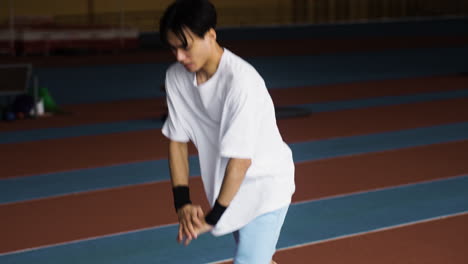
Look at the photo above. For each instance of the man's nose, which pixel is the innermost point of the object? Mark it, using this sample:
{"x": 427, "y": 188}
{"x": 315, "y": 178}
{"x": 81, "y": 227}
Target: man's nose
{"x": 180, "y": 55}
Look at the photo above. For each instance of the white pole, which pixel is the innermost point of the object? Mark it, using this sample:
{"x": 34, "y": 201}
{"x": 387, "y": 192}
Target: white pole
{"x": 36, "y": 95}
{"x": 12, "y": 25}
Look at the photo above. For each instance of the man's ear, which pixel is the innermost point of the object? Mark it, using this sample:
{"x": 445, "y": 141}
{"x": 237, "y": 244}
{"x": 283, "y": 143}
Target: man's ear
{"x": 211, "y": 33}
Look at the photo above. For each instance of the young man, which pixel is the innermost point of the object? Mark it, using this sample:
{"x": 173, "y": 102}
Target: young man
{"x": 220, "y": 103}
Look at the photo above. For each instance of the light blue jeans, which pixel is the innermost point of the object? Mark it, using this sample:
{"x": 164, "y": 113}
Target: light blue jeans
{"x": 256, "y": 242}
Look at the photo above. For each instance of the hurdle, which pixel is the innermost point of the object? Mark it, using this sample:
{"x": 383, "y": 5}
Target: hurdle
{"x": 17, "y": 79}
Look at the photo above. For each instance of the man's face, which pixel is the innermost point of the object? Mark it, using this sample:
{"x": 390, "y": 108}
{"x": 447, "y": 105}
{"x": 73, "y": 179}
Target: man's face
{"x": 197, "y": 52}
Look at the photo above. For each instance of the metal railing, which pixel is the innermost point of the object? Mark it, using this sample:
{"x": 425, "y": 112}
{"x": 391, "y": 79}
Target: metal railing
{"x": 292, "y": 12}
{"x": 248, "y": 13}
{"x": 143, "y": 20}
{"x": 332, "y": 11}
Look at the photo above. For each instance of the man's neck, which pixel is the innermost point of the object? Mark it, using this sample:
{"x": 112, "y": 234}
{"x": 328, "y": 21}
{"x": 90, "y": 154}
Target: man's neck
{"x": 211, "y": 66}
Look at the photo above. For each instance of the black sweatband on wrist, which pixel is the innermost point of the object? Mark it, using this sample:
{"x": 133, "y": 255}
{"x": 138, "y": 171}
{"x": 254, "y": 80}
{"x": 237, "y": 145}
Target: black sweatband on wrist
{"x": 181, "y": 196}
{"x": 215, "y": 214}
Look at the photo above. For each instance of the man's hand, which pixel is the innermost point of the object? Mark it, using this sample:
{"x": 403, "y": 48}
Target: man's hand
{"x": 190, "y": 219}
{"x": 191, "y": 223}
{"x": 203, "y": 229}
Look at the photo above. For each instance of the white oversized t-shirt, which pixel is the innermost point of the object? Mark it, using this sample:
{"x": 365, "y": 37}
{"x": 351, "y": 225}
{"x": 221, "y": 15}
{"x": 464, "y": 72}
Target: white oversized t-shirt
{"x": 232, "y": 115}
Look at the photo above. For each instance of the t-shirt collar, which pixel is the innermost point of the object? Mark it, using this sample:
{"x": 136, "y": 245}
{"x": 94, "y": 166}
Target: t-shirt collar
{"x": 221, "y": 64}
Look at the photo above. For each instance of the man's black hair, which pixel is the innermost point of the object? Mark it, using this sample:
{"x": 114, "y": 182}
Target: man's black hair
{"x": 197, "y": 15}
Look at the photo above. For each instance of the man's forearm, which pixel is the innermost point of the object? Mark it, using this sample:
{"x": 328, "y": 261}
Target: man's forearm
{"x": 235, "y": 174}
{"x": 178, "y": 163}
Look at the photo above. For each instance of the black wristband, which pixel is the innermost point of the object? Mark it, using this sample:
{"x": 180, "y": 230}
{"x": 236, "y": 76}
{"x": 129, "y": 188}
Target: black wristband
{"x": 215, "y": 214}
{"x": 181, "y": 196}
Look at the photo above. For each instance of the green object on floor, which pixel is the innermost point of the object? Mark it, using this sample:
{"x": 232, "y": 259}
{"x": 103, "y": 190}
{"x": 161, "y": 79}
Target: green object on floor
{"x": 49, "y": 103}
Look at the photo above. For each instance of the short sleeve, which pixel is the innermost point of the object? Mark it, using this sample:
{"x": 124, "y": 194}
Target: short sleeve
{"x": 238, "y": 124}
{"x": 173, "y": 126}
